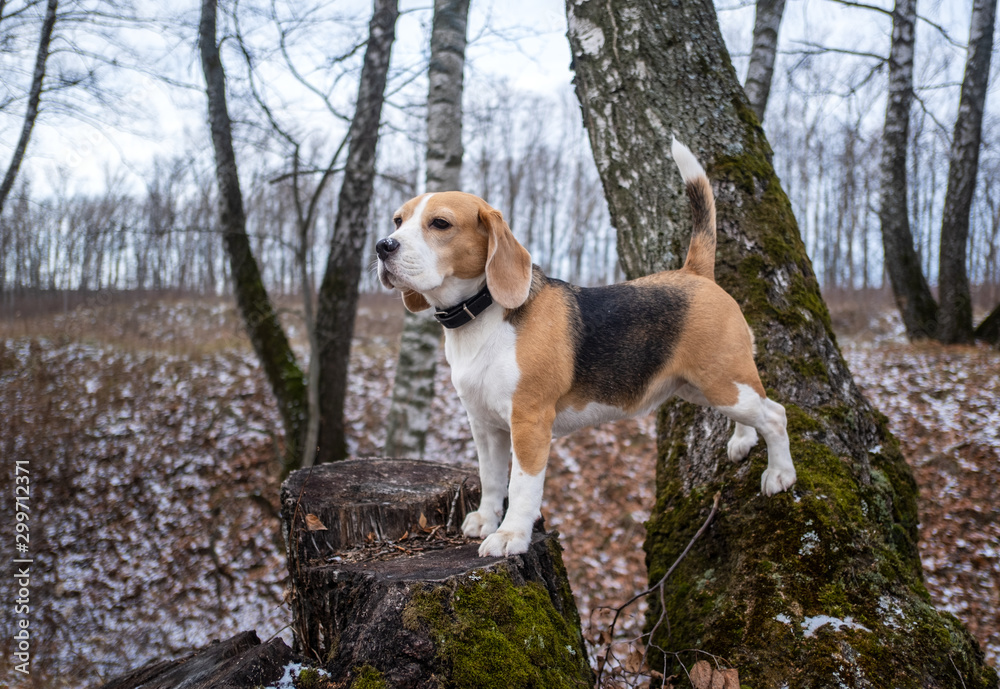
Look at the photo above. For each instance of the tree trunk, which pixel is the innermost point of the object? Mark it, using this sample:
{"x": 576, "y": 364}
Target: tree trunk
{"x": 266, "y": 335}
{"x": 338, "y": 294}
{"x": 413, "y": 390}
{"x": 955, "y": 322}
{"x": 240, "y": 661}
{"x": 989, "y": 329}
{"x": 385, "y": 587}
{"x": 34, "y": 96}
{"x": 765, "y": 47}
{"x": 913, "y": 296}
{"x": 818, "y": 582}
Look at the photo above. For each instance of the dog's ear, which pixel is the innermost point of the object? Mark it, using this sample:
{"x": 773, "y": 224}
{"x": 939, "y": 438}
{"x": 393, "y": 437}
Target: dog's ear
{"x": 414, "y": 301}
{"x": 508, "y": 264}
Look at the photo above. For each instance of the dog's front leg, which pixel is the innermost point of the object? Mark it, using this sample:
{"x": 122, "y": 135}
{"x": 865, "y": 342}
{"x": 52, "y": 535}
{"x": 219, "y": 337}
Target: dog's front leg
{"x": 493, "y": 448}
{"x": 531, "y": 434}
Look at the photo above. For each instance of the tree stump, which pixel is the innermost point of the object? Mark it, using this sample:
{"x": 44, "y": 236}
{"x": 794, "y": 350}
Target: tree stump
{"x": 383, "y": 584}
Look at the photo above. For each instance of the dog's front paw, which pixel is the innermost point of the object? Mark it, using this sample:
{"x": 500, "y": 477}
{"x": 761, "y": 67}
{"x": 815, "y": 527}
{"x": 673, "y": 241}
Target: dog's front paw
{"x": 777, "y": 479}
{"x": 504, "y": 543}
{"x": 479, "y": 525}
{"x": 743, "y": 440}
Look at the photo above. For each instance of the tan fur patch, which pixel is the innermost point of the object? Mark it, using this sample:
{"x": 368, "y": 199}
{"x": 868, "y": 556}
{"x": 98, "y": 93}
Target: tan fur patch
{"x": 414, "y": 301}
{"x": 508, "y": 264}
{"x": 462, "y": 248}
{"x": 715, "y": 351}
{"x": 544, "y": 357}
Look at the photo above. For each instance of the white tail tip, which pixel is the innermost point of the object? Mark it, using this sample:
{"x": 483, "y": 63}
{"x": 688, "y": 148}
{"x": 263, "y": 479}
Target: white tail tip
{"x": 689, "y": 166}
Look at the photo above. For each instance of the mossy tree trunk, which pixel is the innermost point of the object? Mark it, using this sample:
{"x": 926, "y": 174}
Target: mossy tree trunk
{"x": 379, "y": 587}
{"x": 338, "y": 294}
{"x": 265, "y": 332}
{"x": 820, "y": 583}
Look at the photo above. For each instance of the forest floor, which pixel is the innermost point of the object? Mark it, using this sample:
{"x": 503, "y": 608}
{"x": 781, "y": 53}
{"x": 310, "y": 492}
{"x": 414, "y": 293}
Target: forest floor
{"x": 152, "y": 446}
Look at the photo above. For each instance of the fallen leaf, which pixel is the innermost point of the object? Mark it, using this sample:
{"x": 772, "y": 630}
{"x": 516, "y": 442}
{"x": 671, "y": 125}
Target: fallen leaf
{"x": 701, "y": 675}
{"x": 313, "y": 523}
{"x": 423, "y": 521}
{"x": 633, "y": 663}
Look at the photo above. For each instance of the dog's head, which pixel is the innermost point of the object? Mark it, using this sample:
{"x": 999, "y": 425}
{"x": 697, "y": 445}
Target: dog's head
{"x": 445, "y": 246}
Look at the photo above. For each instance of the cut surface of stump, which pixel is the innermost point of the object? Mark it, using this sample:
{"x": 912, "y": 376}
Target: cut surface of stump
{"x": 363, "y": 500}
{"x": 410, "y": 601}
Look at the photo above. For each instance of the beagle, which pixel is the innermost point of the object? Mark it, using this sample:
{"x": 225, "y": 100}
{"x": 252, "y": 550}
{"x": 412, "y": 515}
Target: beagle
{"x": 533, "y": 357}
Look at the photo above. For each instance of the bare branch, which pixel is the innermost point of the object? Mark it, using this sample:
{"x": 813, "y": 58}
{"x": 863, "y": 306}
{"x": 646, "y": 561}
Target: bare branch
{"x": 658, "y": 587}
{"x": 283, "y": 46}
{"x": 865, "y": 6}
{"x": 820, "y": 49}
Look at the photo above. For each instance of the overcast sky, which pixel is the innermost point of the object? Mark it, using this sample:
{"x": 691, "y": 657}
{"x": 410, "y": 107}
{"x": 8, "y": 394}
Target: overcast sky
{"x": 521, "y": 41}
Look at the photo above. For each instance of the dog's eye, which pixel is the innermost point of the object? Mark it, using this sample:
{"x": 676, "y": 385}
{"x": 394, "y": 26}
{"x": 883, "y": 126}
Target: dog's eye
{"x": 398, "y": 221}
{"x": 440, "y": 224}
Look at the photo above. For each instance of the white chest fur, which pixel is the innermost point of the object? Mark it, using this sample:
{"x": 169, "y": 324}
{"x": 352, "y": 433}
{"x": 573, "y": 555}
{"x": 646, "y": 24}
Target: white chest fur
{"x": 483, "y": 359}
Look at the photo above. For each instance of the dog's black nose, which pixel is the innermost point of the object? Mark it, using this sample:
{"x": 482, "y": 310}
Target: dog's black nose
{"x": 384, "y": 247}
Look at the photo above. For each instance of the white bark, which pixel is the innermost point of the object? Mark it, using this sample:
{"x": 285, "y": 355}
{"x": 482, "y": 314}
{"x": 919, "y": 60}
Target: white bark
{"x": 765, "y": 47}
{"x": 413, "y": 391}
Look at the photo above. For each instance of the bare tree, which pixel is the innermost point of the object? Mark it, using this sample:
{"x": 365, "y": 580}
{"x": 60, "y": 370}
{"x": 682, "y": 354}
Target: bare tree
{"x": 413, "y": 389}
{"x": 765, "y": 47}
{"x": 338, "y": 293}
{"x": 913, "y": 295}
{"x": 337, "y": 299}
{"x": 750, "y": 585}
{"x": 955, "y": 314}
{"x": 34, "y": 97}
{"x": 268, "y": 339}
{"x": 305, "y": 205}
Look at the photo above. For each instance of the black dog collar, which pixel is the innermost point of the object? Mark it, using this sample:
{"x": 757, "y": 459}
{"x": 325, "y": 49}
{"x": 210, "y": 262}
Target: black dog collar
{"x": 465, "y": 312}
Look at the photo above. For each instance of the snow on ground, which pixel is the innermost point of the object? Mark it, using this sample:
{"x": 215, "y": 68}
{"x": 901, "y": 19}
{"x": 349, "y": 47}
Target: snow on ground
{"x": 152, "y": 443}
{"x": 943, "y": 404}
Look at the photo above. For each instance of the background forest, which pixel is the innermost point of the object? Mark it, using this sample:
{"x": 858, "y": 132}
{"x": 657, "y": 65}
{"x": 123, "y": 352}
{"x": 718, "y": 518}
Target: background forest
{"x": 128, "y": 380}
{"x": 113, "y": 202}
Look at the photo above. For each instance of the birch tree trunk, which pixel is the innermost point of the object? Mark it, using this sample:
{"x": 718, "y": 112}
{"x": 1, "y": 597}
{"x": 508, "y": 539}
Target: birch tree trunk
{"x": 909, "y": 286}
{"x": 765, "y": 47}
{"x": 413, "y": 390}
{"x": 338, "y": 294}
{"x": 34, "y": 97}
{"x": 955, "y": 300}
{"x": 265, "y": 332}
{"x": 821, "y": 584}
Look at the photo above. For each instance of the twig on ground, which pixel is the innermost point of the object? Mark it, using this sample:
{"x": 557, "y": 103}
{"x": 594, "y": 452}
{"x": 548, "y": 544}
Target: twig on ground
{"x": 658, "y": 588}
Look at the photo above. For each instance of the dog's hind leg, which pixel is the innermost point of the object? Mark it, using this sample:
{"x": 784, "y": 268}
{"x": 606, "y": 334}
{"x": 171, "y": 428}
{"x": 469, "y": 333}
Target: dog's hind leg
{"x": 744, "y": 437}
{"x": 743, "y": 440}
{"x": 752, "y": 413}
{"x": 768, "y": 418}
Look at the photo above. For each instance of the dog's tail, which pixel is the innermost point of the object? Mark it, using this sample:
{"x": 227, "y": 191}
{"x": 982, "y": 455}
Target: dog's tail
{"x": 701, "y": 253}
